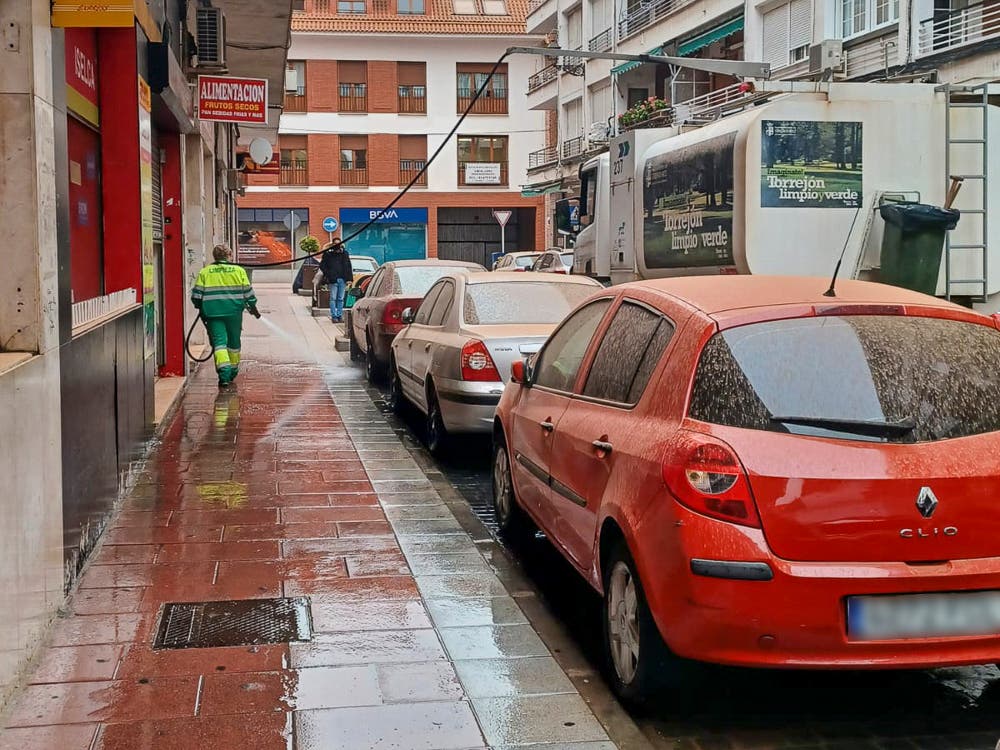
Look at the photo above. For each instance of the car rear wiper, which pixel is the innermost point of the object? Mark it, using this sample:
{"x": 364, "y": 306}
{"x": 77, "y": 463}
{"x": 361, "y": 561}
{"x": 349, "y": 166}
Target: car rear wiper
{"x": 869, "y": 428}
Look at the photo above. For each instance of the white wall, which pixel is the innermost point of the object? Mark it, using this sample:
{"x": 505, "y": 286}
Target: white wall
{"x": 525, "y": 128}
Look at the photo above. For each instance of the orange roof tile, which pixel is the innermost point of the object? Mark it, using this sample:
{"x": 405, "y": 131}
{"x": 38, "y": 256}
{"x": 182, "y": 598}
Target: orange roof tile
{"x": 440, "y": 18}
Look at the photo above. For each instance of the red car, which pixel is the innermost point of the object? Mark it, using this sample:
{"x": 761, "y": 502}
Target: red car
{"x": 752, "y": 473}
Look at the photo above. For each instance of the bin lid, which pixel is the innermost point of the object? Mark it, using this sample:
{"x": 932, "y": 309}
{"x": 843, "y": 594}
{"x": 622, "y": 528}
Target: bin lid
{"x": 915, "y": 217}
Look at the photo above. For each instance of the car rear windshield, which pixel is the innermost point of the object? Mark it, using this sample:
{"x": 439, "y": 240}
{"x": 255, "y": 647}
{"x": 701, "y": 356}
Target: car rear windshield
{"x": 415, "y": 281}
{"x": 862, "y": 377}
{"x": 503, "y": 303}
{"x": 525, "y": 261}
{"x": 567, "y": 259}
{"x": 363, "y": 266}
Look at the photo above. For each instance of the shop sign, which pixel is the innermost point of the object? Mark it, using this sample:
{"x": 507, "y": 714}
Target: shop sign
{"x": 81, "y": 74}
{"x": 392, "y": 216}
{"x": 230, "y": 99}
{"x": 810, "y": 164}
{"x": 106, "y": 14}
{"x": 482, "y": 173}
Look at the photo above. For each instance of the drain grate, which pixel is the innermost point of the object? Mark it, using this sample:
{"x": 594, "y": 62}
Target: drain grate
{"x": 245, "y": 622}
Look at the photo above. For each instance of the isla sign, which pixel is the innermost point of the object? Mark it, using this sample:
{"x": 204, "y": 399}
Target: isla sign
{"x": 81, "y": 74}
{"x": 228, "y": 99}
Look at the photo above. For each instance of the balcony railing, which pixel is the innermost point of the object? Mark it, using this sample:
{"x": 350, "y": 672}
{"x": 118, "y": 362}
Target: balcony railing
{"x": 353, "y": 99}
{"x": 408, "y": 169}
{"x": 491, "y": 102}
{"x": 573, "y": 147}
{"x": 546, "y": 75}
{"x": 958, "y": 28}
{"x": 484, "y": 177}
{"x": 601, "y": 42}
{"x": 645, "y": 14}
{"x": 295, "y": 102}
{"x": 543, "y": 157}
{"x": 412, "y": 104}
{"x": 294, "y": 172}
{"x": 349, "y": 176}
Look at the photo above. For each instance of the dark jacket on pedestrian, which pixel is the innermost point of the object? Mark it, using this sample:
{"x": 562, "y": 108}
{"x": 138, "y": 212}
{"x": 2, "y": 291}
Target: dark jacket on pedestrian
{"x": 336, "y": 264}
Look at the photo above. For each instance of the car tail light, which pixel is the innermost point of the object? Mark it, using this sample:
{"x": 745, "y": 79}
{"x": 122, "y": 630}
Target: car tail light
{"x": 392, "y": 314}
{"x": 707, "y": 477}
{"x": 477, "y": 364}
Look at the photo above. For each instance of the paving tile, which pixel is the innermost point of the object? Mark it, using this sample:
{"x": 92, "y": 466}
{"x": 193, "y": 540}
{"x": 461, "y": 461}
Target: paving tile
{"x": 126, "y": 554}
{"x": 77, "y": 664}
{"x": 326, "y": 547}
{"x": 142, "y": 661}
{"x": 274, "y": 531}
{"x": 420, "y": 726}
{"x": 493, "y": 642}
{"x": 63, "y": 737}
{"x": 452, "y": 613}
{"x": 377, "y": 564}
{"x": 164, "y": 535}
{"x": 336, "y": 615}
{"x": 294, "y": 487}
{"x": 258, "y": 550}
{"x": 424, "y": 512}
{"x": 340, "y": 513}
{"x": 341, "y": 475}
{"x": 390, "y": 646}
{"x": 438, "y": 564}
{"x": 116, "y": 576}
{"x": 230, "y": 517}
{"x": 303, "y": 689}
{"x": 140, "y": 518}
{"x": 364, "y": 528}
{"x": 450, "y": 544}
{"x": 357, "y": 590}
{"x": 79, "y": 702}
{"x": 536, "y": 719}
{"x": 85, "y": 630}
{"x": 432, "y": 527}
{"x": 420, "y": 681}
{"x": 461, "y": 585}
{"x": 493, "y": 678}
{"x": 260, "y": 731}
{"x": 106, "y": 601}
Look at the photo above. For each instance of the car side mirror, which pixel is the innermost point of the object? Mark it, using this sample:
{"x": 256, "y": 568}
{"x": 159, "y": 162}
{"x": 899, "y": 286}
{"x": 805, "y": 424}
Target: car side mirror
{"x": 520, "y": 373}
{"x": 408, "y": 315}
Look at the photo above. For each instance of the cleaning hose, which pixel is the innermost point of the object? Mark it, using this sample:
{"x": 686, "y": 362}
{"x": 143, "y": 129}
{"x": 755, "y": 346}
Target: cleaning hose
{"x": 377, "y": 215}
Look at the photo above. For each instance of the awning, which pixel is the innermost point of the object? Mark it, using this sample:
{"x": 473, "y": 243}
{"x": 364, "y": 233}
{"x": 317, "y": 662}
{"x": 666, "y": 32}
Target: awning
{"x": 712, "y": 35}
{"x": 542, "y": 188}
{"x": 625, "y": 67}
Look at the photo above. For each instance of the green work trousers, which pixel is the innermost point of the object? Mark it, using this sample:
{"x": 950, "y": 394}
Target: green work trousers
{"x": 224, "y": 335}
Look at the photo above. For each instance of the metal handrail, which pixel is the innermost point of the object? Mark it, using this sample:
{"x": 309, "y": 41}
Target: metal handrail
{"x": 647, "y": 14}
{"x": 573, "y": 147}
{"x": 543, "y": 157}
{"x": 959, "y": 27}
{"x": 601, "y": 42}
{"x": 544, "y": 76}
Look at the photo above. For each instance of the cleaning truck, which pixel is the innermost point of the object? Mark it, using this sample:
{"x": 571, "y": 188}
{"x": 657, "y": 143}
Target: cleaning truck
{"x": 792, "y": 177}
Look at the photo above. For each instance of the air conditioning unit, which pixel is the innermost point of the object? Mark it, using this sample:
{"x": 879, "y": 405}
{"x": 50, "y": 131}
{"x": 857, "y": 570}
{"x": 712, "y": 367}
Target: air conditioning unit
{"x": 233, "y": 180}
{"x": 598, "y": 133}
{"x": 211, "y": 38}
{"x": 291, "y": 80}
{"x": 827, "y": 55}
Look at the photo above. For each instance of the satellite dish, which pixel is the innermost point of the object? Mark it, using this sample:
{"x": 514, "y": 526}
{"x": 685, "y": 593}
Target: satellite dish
{"x": 261, "y": 151}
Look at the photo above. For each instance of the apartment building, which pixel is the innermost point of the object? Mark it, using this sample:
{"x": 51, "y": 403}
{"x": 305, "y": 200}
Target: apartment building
{"x": 372, "y": 89}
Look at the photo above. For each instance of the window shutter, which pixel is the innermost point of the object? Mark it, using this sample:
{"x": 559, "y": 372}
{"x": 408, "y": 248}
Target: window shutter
{"x": 776, "y": 36}
{"x": 800, "y": 23}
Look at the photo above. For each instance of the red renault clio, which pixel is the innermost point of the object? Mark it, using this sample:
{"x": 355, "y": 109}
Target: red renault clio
{"x": 753, "y": 473}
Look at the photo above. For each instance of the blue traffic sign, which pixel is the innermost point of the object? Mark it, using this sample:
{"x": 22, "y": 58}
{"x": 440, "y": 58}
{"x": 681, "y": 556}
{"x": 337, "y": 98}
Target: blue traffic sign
{"x": 330, "y": 224}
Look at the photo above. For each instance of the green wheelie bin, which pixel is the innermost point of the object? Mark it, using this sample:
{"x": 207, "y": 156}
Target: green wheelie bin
{"x": 912, "y": 244}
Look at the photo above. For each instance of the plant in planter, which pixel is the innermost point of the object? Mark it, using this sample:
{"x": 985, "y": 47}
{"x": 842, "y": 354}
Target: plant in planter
{"x": 643, "y": 111}
{"x": 309, "y": 245}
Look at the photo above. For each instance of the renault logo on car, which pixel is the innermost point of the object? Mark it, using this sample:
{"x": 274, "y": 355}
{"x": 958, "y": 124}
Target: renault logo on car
{"x": 927, "y": 503}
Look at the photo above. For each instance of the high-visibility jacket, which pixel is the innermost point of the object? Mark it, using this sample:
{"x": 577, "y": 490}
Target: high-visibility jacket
{"x": 222, "y": 289}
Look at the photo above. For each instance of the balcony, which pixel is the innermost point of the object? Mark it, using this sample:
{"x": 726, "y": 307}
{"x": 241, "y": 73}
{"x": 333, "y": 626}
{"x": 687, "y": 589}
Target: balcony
{"x": 410, "y": 103}
{"x": 542, "y": 90}
{"x": 349, "y": 176}
{"x": 544, "y": 157}
{"x": 353, "y": 98}
{"x": 409, "y": 168}
{"x": 294, "y": 172}
{"x": 871, "y": 56}
{"x": 958, "y": 28}
{"x": 542, "y": 16}
{"x": 485, "y": 175}
{"x": 601, "y": 42}
{"x": 574, "y": 147}
{"x": 491, "y": 102}
{"x": 645, "y": 14}
{"x": 295, "y": 102}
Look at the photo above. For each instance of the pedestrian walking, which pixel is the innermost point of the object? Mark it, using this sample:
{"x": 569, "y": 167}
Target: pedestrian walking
{"x": 336, "y": 268}
{"x": 221, "y": 294}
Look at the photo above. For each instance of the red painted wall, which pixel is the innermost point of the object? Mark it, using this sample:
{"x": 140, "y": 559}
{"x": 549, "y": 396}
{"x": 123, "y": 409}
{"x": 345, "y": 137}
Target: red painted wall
{"x": 173, "y": 256}
{"x": 84, "y": 210}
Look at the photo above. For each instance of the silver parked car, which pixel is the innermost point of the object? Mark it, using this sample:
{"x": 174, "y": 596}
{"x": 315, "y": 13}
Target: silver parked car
{"x": 454, "y": 357}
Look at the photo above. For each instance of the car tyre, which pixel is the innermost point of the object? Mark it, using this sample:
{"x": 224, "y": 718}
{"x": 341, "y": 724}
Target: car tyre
{"x": 395, "y": 399}
{"x": 437, "y": 433}
{"x": 637, "y": 661}
{"x": 372, "y": 370}
{"x": 513, "y": 523}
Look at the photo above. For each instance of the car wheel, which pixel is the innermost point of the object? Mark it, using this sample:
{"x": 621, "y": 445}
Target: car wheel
{"x": 355, "y": 349}
{"x": 638, "y": 661}
{"x": 437, "y": 433}
{"x": 396, "y": 399}
{"x": 372, "y": 369}
{"x": 513, "y": 522}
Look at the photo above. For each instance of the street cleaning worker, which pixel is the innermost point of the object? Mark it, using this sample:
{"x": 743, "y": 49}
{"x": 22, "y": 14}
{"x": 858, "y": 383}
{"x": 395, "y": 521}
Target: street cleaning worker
{"x": 221, "y": 294}
{"x": 336, "y": 267}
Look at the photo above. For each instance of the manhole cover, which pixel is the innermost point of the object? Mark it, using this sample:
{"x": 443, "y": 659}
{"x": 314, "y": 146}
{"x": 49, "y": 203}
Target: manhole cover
{"x": 245, "y": 622}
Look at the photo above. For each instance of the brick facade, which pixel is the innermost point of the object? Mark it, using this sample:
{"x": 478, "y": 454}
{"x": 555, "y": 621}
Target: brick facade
{"x": 321, "y": 85}
{"x": 382, "y": 86}
{"x": 323, "y": 153}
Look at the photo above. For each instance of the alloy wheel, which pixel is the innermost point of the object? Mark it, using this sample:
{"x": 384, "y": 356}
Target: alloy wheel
{"x": 623, "y": 622}
{"x": 502, "y": 487}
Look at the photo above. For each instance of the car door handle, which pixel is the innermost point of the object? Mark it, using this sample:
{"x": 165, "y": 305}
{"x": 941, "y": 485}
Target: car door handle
{"x": 602, "y": 445}
{"x": 547, "y": 426}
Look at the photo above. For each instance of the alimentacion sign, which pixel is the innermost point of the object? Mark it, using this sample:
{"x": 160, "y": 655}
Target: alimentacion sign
{"x": 230, "y": 99}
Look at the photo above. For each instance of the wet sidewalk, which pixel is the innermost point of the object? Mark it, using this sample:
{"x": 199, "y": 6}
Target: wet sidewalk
{"x": 292, "y": 487}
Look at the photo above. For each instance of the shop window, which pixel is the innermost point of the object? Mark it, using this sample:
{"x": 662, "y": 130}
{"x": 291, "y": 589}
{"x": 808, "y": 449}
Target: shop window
{"x": 264, "y": 238}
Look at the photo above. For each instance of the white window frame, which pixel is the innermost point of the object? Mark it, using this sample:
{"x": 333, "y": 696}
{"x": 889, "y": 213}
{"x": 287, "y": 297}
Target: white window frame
{"x": 870, "y": 13}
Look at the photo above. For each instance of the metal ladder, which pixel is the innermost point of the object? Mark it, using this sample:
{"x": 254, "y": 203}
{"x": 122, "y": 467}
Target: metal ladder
{"x": 976, "y": 96}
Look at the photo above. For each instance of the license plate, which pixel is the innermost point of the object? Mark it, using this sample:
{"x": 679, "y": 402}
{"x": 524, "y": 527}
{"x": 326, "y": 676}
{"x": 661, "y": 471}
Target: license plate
{"x": 879, "y": 618}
